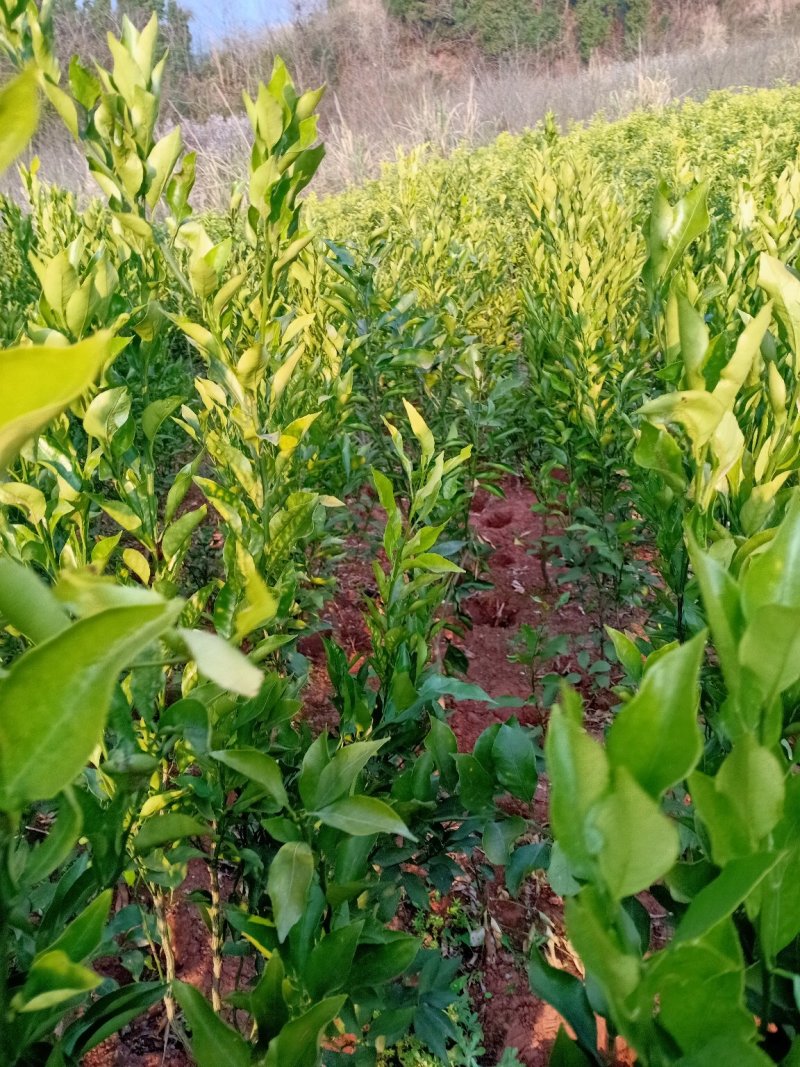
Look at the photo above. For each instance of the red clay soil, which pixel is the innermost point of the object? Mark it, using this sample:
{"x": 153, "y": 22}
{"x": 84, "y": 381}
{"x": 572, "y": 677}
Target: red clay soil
{"x": 511, "y": 1016}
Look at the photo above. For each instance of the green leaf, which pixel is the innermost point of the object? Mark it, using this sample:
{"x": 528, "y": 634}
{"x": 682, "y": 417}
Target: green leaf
{"x": 729, "y": 1048}
{"x": 109, "y": 1015}
{"x": 442, "y": 744}
{"x": 163, "y": 829}
{"x": 258, "y": 767}
{"x": 522, "y": 862}
{"x": 637, "y": 844}
{"x": 752, "y": 779}
{"x": 773, "y": 576}
{"x": 722, "y": 604}
{"x": 338, "y": 776}
{"x": 85, "y": 87}
{"x": 420, "y": 430}
{"x": 59, "y": 843}
{"x": 19, "y": 116}
{"x": 783, "y": 288}
{"x": 385, "y": 492}
{"x": 214, "y": 1044}
{"x": 627, "y": 653}
{"x": 329, "y": 964}
{"x": 437, "y": 685}
{"x": 84, "y": 933}
{"x": 315, "y": 759}
{"x": 718, "y": 900}
{"x": 514, "y": 759}
{"x": 779, "y": 917}
{"x": 432, "y": 563}
{"x": 55, "y": 699}
{"x": 685, "y": 880}
{"x": 567, "y": 995}
{"x": 376, "y": 964}
{"x": 611, "y": 964}
{"x": 729, "y": 836}
{"x": 298, "y": 1043}
{"x": 475, "y": 784}
{"x": 289, "y": 883}
{"x": 498, "y": 838}
{"x": 673, "y": 228}
{"x": 656, "y": 735}
{"x": 579, "y": 777}
{"x": 694, "y": 340}
{"x": 676, "y": 984}
{"x": 362, "y": 816}
{"x": 482, "y": 749}
{"x": 40, "y": 381}
{"x": 28, "y": 604}
{"x": 187, "y": 719}
{"x": 53, "y": 979}
{"x": 107, "y": 413}
{"x": 434, "y": 1029}
{"x": 177, "y": 535}
{"x": 267, "y": 1002}
{"x": 566, "y": 1053}
{"x": 156, "y": 412}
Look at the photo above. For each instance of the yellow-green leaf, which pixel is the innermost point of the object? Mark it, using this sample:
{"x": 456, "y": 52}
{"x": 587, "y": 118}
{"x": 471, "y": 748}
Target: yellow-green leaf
{"x": 420, "y": 430}
{"x": 19, "y": 116}
{"x": 55, "y": 699}
{"x": 40, "y": 381}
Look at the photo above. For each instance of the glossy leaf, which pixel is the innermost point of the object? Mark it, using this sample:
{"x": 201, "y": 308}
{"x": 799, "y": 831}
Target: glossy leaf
{"x": 213, "y": 1042}
{"x": 258, "y": 767}
{"x": 514, "y": 759}
{"x": 55, "y": 699}
{"x": 638, "y": 843}
{"x": 19, "y": 116}
{"x": 723, "y": 896}
{"x": 53, "y": 979}
{"x": 28, "y": 604}
{"x": 162, "y": 830}
{"x": 288, "y": 884}
{"x": 338, "y": 776}
{"x": 39, "y": 382}
{"x": 656, "y": 736}
{"x": 79, "y": 940}
{"x": 363, "y": 816}
{"x": 298, "y": 1043}
{"x": 579, "y": 777}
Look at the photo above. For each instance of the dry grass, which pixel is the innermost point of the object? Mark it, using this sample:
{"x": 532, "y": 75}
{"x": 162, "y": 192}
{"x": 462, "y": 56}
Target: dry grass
{"x": 386, "y": 95}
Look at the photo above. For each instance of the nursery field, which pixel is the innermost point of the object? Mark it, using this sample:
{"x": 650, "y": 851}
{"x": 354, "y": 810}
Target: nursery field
{"x": 400, "y": 592}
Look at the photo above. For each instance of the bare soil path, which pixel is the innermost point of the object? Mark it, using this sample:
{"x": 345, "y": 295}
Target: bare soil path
{"x": 523, "y": 591}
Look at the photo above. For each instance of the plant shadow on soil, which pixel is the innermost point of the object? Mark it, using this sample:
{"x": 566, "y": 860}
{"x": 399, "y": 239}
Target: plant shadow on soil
{"x": 511, "y": 1016}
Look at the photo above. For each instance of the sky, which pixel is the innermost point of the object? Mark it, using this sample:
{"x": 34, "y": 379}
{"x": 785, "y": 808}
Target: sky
{"x": 213, "y": 19}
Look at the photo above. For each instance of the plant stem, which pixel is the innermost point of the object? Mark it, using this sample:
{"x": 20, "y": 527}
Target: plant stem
{"x": 159, "y": 906}
{"x": 215, "y": 918}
